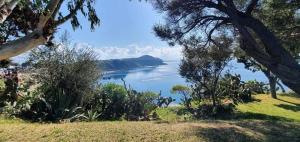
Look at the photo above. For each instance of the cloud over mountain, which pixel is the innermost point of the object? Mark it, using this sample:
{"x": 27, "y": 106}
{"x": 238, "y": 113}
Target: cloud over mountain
{"x": 131, "y": 51}
{"x": 165, "y": 53}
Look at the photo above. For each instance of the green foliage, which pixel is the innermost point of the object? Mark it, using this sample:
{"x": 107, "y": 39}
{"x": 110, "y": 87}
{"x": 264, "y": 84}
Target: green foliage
{"x": 91, "y": 115}
{"x": 66, "y": 78}
{"x": 203, "y": 67}
{"x": 113, "y": 101}
{"x": 2, "y": 86}
{"x": 164, "y": 101}
{"x": 207, "y": 111}
{"x": 10, "y": 92}
{"x": 141, "y": 103}
{"x": 16, "y": 108}
{"x": 174, "y": 113}
{"x": 236, "y": 90}
{"x": 25, "y": 17}
{"x": 186, "y": 94}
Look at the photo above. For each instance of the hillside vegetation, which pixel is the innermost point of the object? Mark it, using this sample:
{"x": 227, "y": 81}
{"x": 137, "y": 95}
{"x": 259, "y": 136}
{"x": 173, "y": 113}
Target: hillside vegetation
{"x": 266, "y": 127}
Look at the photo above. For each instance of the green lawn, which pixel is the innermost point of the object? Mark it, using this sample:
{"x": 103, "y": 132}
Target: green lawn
{"x": 284, "y": 108}
{"x": 283, "y": 127}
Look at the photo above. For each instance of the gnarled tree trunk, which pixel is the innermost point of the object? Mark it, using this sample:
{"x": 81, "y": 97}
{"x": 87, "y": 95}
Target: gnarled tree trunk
{"x": 272, "y": 82}
{"x": 276, "y": 58}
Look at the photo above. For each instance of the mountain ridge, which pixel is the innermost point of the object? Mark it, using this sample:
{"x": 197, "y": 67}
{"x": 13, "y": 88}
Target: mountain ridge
{"x": 129, "y": 63}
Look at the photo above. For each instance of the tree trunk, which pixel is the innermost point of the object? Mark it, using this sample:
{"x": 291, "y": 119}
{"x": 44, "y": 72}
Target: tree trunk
{"x": 214, "y": 100}
{"x": 272, "y": 82}
{"x": 276, "y": 58}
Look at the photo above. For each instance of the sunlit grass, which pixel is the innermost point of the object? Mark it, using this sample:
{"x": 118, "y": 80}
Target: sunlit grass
{"x": 285, "y": 107}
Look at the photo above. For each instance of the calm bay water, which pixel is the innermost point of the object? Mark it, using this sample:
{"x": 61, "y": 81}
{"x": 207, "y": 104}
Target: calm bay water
{"x": 163, "y": 77}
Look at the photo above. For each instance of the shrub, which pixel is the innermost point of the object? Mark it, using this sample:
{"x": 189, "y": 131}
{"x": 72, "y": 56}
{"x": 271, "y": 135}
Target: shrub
{"x": 207, "y": 111}
{"x": 233, "y": 88}
{"x": 113, "y": 101}
{"x": 185, "y": 92}
{"x": 66, "y": 78}
{"x": 141, "y": 104}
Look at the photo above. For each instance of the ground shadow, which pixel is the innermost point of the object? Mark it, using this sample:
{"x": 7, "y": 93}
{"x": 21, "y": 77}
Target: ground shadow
{"x": 229, "y": 134}
{"x": 289, "y": 107}
{"x": 274, "y": 131}
{"x": 259, "y": 116}
{"x": 250, "y": 131}
{"x": 288, "y": 102}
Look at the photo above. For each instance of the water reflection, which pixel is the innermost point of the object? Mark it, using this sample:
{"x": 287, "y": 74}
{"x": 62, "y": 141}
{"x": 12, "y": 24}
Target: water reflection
{"x": 115, "y": 75}
{"x": 160, "y": 78}
{"x": 163, "y": 77}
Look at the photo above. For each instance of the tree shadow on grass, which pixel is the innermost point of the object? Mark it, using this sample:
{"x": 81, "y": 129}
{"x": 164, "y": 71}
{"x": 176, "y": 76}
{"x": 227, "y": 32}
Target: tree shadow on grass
{"x": 224, "y": 134}
{"x": 250, "y": 131}
{"x": 296, "y": 104}
{"x": 260, "y": 116}
{"x": 289, "y": 107}
{"x": 274, "y": 131}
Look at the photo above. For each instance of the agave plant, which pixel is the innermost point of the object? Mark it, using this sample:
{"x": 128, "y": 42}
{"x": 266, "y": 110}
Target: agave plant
{"x": 91, "y": 115}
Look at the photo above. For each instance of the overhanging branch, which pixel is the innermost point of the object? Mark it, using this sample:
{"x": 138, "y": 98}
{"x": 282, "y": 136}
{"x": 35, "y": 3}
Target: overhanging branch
{"x": 251, "y": 6}
{"x": 72, "y": 13}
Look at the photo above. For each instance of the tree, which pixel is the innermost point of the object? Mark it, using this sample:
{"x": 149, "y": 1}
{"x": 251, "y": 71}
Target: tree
{"x": 203, "y": 67}
{"x": 186, "y": 94}
{"x": 25, "y": 24}
{"x": 185, "y": 17}
{"x": 279, "y": 17}
{"x": 254, "y": 66}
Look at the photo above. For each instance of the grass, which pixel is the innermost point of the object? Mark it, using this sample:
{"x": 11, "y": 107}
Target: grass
{"x": 284, "y": 108}
{"x": 172, "y": 114}
{"x": 207, "y": 131}
{"x": 246, "y": 129}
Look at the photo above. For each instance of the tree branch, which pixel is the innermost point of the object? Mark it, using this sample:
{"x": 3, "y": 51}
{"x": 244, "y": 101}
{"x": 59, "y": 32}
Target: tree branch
{"x": 32, "y": 40}
{"x": 72, "y": 13}
{"x": 216, "y": 27}
{"x": 21, "y": 45}
{"x": 251, "y": 6}
{"x": 47, "y": 14}
{"x": 6, "y": 9}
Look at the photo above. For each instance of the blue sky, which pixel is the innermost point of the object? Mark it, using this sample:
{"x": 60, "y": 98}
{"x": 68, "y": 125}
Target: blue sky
{"x": 125, "y": 31}
{"x": 123, "y": 23}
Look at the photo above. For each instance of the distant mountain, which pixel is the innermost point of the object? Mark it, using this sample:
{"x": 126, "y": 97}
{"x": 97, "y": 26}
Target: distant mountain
{"x": 129, "y": 63}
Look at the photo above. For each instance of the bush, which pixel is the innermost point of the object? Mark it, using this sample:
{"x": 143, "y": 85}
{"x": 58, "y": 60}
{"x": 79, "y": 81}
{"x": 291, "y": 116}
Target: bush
{"x": 233, "y": 88}
{"x": 141, "y": 104}
{"x": 207, "y": 111}
{"x": 66, "y": 78}
{"x": 113, "y": 99}
{"x": 113, "y": 102}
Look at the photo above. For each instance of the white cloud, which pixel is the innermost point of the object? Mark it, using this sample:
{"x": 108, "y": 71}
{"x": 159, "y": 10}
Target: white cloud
{"x": 131, "y": 51}
{"x": 165, "y": 53}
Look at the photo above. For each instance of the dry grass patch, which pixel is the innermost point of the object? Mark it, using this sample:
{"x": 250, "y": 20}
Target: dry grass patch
{"x": 207, "y": 131}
